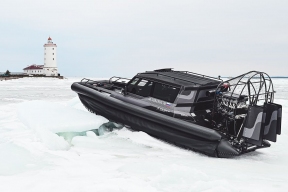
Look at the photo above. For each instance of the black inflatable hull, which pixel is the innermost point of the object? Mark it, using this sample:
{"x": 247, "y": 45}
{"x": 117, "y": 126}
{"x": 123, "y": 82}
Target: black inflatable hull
{"x": 172, "y": 130}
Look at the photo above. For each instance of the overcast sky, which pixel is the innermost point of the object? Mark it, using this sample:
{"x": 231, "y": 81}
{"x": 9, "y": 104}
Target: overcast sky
{"x": 112, "y": 37}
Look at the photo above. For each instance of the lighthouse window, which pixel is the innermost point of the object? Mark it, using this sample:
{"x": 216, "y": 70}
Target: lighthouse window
{"x": 52, "y": 48}
{"x": 53, "y": 53}
{"x": 53, "y": 58}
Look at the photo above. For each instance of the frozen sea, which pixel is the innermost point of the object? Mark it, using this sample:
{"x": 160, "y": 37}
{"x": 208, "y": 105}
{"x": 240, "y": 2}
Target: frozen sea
{"x": 34, "y": 158}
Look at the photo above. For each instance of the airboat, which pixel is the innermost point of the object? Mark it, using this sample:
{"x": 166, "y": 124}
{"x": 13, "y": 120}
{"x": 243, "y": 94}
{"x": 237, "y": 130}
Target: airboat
{"x": 220, "y": 118}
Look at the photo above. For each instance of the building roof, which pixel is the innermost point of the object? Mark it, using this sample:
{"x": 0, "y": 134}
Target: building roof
{"x": 49, "y": 38}
{"x": 34, "y": 67}
{"x": 182, "y": 78}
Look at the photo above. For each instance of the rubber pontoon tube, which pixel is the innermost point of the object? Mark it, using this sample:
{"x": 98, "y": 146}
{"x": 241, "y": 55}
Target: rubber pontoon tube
{"x": 177, "y": 124}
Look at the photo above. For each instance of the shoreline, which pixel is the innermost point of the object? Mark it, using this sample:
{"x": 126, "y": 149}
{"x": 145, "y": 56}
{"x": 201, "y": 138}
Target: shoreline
{"x": 20, "y": 76}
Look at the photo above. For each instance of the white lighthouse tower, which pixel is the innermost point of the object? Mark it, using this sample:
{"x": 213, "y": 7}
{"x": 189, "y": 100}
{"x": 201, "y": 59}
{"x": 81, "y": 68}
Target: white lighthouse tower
{"x": 50, "y": 58}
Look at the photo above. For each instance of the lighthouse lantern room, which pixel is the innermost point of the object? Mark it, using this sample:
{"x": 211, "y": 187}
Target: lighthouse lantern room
{"x": 50, "y": 58}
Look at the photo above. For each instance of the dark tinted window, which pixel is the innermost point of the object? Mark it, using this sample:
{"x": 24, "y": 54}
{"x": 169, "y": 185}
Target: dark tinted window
{"x": 140, "y": 87}
{"x": 134, "y": 81}
{"x": 143, "y": 88}
{"x": 165, "y": 92}
{"x": 131, "y": 86}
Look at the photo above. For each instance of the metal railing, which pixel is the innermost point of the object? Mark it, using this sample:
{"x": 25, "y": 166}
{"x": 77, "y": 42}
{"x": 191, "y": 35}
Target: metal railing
{"x": 126, "y": 80}
{"x": 179, "y": 78}
{"x": 85, "y": 80}
{"x": 200, "y": 75}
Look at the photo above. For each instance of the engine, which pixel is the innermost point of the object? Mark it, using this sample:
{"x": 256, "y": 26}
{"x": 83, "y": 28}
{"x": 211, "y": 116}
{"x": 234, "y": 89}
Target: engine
{"x": 244, "y": 109}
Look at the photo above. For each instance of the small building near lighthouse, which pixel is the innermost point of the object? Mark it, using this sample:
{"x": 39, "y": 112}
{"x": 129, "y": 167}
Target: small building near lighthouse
{"x": 34, "y": 69}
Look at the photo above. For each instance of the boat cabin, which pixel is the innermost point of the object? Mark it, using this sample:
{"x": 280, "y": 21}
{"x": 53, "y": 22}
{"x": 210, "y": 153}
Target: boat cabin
{"x": 183, "y": 88}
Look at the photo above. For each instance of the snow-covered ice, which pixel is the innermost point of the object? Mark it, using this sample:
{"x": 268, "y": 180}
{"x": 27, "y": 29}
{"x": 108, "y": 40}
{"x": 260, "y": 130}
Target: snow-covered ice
{"x": 34, "y": 158}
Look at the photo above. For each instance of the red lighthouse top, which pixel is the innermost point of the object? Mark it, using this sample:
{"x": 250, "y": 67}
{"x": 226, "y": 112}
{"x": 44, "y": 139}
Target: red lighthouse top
{"x": 50, "y": 43}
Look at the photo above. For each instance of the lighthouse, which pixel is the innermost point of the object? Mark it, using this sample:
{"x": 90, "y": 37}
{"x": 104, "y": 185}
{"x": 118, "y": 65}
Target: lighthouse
{"x": 50, "y": 58}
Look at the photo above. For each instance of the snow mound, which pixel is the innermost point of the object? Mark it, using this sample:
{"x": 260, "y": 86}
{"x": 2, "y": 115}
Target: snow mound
{"x": 15, "y": 159}
{"x": 56, "y": 118}
{"x": 47, "y": 118}
{"x": 75, "y": 103}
